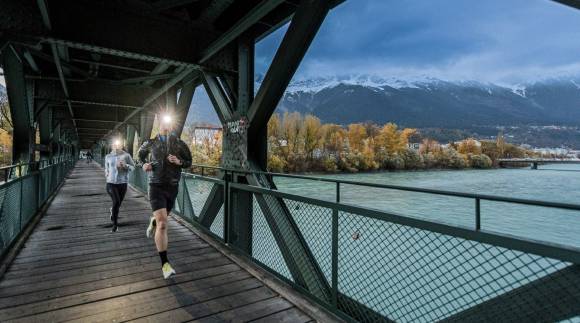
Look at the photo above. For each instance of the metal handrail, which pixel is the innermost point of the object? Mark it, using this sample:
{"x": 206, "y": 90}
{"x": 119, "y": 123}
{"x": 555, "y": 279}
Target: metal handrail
{"x": 475, "y": 196}
{"x": 563, "y": 252}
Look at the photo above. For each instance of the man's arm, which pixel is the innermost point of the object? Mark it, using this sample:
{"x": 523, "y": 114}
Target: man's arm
{"x": 184, "y": 155}
{"x": 144, "y": 151}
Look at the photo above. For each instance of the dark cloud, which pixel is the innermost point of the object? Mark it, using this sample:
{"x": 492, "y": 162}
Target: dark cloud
{"x": 492, "y": 40}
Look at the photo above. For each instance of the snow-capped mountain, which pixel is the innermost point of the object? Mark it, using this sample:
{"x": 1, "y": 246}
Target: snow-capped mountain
{"x": 431, "y": 102}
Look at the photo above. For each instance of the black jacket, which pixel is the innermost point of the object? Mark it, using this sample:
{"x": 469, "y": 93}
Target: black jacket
{"x": 165, "y": 172}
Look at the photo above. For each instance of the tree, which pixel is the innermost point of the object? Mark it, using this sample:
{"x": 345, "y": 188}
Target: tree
{"x": 5, "y": 118}
{"x": 429, "y": 146}
{"x": 469, "y": 146}
{"x": 311, "y": 135}
{"x": 356, "y": 134}
{"x": 500, "y": 144}
{"x": 6, "y": 130}
{"x": 389, "y": 139}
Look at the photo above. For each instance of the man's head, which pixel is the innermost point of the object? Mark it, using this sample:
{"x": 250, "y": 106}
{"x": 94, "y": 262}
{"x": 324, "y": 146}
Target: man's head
{"x": 165, "y": 124}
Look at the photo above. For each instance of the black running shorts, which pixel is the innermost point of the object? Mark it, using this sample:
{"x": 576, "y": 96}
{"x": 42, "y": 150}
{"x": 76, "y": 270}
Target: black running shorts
{"x": 162, "y": 196}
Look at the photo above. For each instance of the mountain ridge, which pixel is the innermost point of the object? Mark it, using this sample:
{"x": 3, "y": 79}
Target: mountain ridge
{"x": 431, "y": 102}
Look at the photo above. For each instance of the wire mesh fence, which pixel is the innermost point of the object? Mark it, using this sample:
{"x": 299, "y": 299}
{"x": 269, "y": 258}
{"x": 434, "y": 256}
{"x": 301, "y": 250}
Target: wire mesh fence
{"x": 377, "y": 266}
{"x": 24, "y": 194}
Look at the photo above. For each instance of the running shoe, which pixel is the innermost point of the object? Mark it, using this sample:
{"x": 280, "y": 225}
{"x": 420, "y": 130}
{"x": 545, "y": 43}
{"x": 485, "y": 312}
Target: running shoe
{"x": 115, "y": 228}
{"x": 111, "y": 214}
{"x": 151, "y": 228}
{"x": 167, "y": 270}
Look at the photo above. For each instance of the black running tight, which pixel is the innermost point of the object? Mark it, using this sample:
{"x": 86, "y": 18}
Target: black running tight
{"x": 117, "y": 193}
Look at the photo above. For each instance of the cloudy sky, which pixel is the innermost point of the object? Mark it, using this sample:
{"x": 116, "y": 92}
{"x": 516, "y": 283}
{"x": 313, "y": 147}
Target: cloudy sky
{"x": 505, "y": 41}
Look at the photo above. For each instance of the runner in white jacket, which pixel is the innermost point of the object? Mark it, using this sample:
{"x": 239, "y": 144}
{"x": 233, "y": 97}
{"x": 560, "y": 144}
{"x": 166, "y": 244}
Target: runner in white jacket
{"x": 118, "y": 164}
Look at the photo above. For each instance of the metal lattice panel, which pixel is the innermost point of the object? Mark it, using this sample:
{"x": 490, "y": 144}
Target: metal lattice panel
{"x": 21, "y": 198}
{"x": 413, "y": 275}
{"x": 217, "y": 227}
{"x": 315, "y": 224}
{"x": 198, "y": 192}
{"x": 264, "y": 247}
{"x": 10, "y": 213}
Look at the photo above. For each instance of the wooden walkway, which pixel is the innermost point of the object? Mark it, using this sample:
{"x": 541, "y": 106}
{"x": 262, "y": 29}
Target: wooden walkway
{"x": 72, "y": 268}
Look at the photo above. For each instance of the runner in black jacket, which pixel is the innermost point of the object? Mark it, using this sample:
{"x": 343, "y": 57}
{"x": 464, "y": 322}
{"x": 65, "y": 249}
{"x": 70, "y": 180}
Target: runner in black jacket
{"x": 168, "y": 156}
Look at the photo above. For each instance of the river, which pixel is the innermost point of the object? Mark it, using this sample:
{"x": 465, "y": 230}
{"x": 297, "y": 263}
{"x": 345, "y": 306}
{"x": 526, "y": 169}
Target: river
{"x": 557, "y": 183}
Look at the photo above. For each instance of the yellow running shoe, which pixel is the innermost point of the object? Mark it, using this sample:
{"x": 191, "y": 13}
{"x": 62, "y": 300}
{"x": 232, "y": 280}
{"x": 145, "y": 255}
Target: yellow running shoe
{"x": 167, "y": 270}
{"x": 151, "y": 228}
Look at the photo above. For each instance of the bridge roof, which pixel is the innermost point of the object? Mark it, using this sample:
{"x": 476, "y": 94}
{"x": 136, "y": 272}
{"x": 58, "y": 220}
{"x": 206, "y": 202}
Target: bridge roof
{"x": 99, "y": 62}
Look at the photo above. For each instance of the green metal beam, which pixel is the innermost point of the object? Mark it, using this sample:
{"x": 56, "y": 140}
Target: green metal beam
{"x": 62, "y": 81}
{"x": 257, "y": 13}
{"x": 146, "y": 120}
{"x": 183, "y": 105}
{"x": 18, "y": 98}
{"x": 304, "y": 26}
{"x": 217, "y": 97}
{"x": 214, "y": 10}
{"x": 45, "y": 129}
{"x": 130, "y": 139}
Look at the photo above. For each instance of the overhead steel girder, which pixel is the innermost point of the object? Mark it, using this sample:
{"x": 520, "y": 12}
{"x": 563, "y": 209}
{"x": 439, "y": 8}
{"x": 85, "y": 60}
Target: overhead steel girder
{"x": 242, "y": 25}
{"x": 214, "y": 10}
{"x": 92, "y": 92}
{"x": 20, "y": 111}
{"x": 183, "y": 105}
{"x": 303, "y": 27}
{"x": 108, "y": 25}
{"x": 87, "y": 112}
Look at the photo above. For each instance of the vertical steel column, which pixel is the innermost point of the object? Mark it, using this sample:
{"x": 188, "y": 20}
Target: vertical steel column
{"x": 130, "y": 139}
{"x": 242, "y": 203}
{"x": 146, "y": 120}
{"x": 45, "y": 130}
{"x": 19, "y": 100}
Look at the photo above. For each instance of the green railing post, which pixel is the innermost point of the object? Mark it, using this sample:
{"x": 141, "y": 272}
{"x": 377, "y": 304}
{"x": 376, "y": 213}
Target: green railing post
{"x": 21, "y": 189}
{"x": 226, "y": 227}
{"x": 477, "y": 214}
{"x": 183, "y": 197}
{"x": 334, "y": 273}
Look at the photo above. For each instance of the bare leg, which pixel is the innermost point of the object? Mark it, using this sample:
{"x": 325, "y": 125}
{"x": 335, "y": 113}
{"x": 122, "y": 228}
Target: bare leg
{"x": 161, "y": 229}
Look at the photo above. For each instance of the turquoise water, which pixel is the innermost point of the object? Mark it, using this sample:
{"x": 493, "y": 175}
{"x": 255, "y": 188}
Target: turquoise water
{"x": 558, "y": 183}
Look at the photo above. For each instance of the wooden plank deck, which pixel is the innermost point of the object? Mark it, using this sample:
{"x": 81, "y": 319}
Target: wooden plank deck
{"x": 72, "y": 268}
